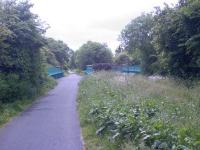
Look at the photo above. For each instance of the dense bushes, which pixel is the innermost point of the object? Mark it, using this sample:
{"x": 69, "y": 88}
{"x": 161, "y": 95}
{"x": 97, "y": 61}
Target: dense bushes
{"x": 22, "y": 72}
{"x": 58, "y": 53}
{"x": 102, "y": 66}
{"x": 16, "y": 95}
{"x": 12, "y": 88}
{"x": 25, "y": 52}
{"x": 122, "y": 58}
{"x": 167, "y": 40}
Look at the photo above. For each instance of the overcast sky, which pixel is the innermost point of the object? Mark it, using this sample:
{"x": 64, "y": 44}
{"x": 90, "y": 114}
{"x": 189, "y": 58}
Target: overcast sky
{"x": 77, "y": 21}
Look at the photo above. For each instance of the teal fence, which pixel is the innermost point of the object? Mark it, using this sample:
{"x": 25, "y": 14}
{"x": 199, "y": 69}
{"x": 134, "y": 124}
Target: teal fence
{"x": 124, "y": 69}
{"x": 56, "y": 72}
{"x": 131, "y": 69}
{"x": 89, "y": 69}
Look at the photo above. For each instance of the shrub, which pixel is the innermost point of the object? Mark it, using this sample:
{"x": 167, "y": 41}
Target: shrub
{"x": 102, "y": 66}
{"x": 13, "y": 88}
{"x": 122, "y": 59}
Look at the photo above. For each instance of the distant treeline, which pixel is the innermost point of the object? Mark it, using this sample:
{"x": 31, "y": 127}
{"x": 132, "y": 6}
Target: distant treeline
{"x": 166, "y": 41}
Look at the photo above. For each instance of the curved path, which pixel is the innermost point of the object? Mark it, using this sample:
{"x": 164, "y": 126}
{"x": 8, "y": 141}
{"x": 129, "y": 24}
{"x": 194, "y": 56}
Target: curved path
{"x": 52, "y": 123}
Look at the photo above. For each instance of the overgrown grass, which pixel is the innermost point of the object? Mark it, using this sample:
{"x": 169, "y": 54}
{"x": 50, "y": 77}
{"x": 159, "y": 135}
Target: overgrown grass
{"x": 132, "y": 112}
{"x": 9, "y": 110}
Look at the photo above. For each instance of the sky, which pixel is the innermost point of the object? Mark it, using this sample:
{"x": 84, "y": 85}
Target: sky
{"x": 77, "y": 21}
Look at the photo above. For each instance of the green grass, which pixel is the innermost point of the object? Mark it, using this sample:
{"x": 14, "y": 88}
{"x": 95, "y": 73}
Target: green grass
{"x": 10, "y": 110}
{"x": 133, "y": 112}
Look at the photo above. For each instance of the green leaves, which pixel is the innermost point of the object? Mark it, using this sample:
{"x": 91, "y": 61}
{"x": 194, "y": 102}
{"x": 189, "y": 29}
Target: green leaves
{"x": 58, "y": 53}
{"x": 122, "y": 59}
{"x": 140, "y": 112}
{"x": 167, "y": 40}
{"x": 91, "y": 53}
{"x": 136, "y": 38}
{"x": 122, "y": 122}
{"x": 21, "y": 40}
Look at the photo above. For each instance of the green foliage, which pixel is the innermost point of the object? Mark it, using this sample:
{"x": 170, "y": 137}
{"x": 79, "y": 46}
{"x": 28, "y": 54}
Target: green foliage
{"x": 22, "y": 67}
{"x": 9, "y": 110}
{"x": 102, "y": 66}
{"x": 58, "y": 53}
{"x": 176, "y": 39}
{"x": 137, "y": 37}
{"x": 134, "y": 109}
{"x": 12, "y": 88}
{"x": 23, "y": 50}
{"x": 22, "y": 71}
{"x": 122, "y": 58}
{"x": 72, "y": 61}
{"x": 167, "y": 40}
{"x": 91, "y": 53}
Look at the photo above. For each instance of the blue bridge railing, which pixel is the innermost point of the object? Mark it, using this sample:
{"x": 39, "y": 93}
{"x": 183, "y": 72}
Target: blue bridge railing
{"x": 124, "y": 69}
{"x": 55, "y": 72}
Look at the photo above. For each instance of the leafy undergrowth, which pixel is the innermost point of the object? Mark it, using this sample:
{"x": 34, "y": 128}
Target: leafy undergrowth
{"x": 9, "y": 110}
{"x": 132, "y": 112}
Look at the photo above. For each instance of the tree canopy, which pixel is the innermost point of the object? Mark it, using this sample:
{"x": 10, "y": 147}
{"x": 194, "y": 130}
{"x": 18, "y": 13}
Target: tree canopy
{"x": 21, "y": 40}
{"x": 58, "y": 53}
{"x": 136, "y": 39}
{"x": 167, "y": 39}
{"x": 122, "y": 58}
{"x": 91, "y": 53}
{"x": 24, "y": 51}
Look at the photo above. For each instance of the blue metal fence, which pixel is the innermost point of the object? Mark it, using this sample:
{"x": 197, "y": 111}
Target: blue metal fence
{"x": 89, "y": 69}
{"x": 56, "y": 72}
{"x": 124, "y": 69}
{"x": 131, "y": 69}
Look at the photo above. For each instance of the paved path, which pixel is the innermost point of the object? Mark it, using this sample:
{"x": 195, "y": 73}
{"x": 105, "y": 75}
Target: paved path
{"x": 50, "y": 124}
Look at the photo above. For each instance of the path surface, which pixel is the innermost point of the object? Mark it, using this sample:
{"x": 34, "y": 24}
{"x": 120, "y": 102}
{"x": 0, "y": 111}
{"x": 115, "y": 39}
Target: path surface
{"x": 50, "y": 124}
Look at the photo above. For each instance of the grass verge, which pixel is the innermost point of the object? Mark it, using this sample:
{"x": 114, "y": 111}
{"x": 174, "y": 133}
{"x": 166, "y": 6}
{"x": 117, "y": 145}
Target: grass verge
{"x": 9, "y": 110}
{"x": 132, "y": 112}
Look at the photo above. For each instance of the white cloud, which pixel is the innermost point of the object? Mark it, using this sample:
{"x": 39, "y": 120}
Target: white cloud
{"x": 77, "y": 21}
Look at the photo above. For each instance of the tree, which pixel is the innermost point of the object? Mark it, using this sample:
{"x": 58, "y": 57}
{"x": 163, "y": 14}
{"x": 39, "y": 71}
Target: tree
{"x": 59, "y": 53}
{"x": 25, "y": 41}
{"x": 72, "y": 63}
{"x": 137, "y": 36}
{"x": 177, "y": 39}
{"x": 21, "y": 40}
{"x": 166, "y": 41}
{"x": 91, "y": 53}
{"x": 122, "y": 58}
{"x": 119, "y": 50}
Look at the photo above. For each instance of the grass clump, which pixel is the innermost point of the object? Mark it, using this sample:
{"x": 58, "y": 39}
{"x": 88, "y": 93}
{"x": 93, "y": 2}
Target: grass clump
{"x": 133, "y": 112}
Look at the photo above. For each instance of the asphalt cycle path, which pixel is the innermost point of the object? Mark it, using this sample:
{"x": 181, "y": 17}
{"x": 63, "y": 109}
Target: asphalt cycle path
{"x": 51, "y": 123}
